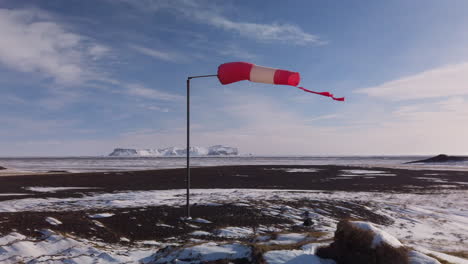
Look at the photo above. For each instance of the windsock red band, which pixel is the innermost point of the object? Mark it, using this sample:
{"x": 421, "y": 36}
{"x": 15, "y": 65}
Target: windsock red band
{"x": 234, "y": 72}
{"x": 287, "y": 78}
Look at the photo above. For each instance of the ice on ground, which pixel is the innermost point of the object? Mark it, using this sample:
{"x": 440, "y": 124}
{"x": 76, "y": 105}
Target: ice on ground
{"x": 98, "y": 223}
{"x": 304, "y": 255}
{"x": 124, "y": 239}
{"x": 301, "y": 170}
{"x": 363, "y": 175}
{"x": 201, "y": 220}
{"x": 416, "y": 257}
{"x": 363, "y": 172}
{"x": 150, "y": 243}
{"x": 380, "y": 236}
{"x": 53, "y": 221}
{"x": 54, "y": 248}
{"x": 203, "y": 252}
{"x": 295, "y": 170}
{"x": 240, "y": 175}
{"x": 438, "y": 180}
{"x": 56, "y": 189}
{"x": 164, "y": 225}
{"x": 234, "y": 232}
{"x": 8, "y": 239}
{"x": 101, "y": 215}
{"x": 283, "y": 239}
{"x": 201, "y": 233}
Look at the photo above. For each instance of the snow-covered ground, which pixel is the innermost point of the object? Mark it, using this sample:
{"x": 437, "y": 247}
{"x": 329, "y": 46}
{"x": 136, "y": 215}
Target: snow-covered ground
{"x": 432, "y": 223}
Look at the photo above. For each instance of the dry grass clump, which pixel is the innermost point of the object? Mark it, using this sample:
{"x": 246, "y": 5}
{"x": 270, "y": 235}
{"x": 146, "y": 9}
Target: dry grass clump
{"x": 442, "y": 261}
{"x": 460, "y": 254}
{"x": 352, "y": 245}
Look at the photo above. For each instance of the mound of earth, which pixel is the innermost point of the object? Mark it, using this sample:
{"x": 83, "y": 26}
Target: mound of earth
{"x": 441, "y": 158}
{"x": 358, "y": 242}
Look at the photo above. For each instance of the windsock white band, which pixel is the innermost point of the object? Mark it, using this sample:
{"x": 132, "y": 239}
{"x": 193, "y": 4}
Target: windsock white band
{"x": 262, "y": 74}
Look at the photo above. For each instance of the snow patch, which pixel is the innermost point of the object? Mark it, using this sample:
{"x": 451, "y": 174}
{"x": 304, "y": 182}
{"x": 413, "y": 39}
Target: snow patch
{"x": 201, "y": 220}
{"x": 202, "y": 253}
{"x": 234, "y": 232}
{"x": 362, "y": 172}
{"x": 416, "y": 257}
{"x": 101, "y": 215}
{"x": 53, "y": 221}
{"x": 200, "y": 233}
{"x": 305, "y": 255}
{"x": 283, "y": 239}
{"x": 55, "y": 189}
{"x": 380, "y": 236}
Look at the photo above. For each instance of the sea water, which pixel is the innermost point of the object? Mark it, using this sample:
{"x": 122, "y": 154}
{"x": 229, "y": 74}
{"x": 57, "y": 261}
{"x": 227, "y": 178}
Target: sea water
{"x": 97, "y": 164}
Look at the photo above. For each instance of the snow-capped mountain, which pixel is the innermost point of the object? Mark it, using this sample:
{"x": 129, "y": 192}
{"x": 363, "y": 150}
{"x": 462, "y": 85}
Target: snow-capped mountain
{"x": 217, "y": 150}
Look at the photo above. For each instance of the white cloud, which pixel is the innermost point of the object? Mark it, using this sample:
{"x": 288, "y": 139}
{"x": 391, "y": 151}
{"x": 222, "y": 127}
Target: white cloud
{"x": 440, "y": 82}
{"x": 232, "y": 50}
{"x": 264, "y": 32}
{"x": 33, "y": 42}
{"x": 155, "y": 108}
{"x": 210, "y": 13}
{"x": 162, "y": 55}
{"x": 144, "y": 92}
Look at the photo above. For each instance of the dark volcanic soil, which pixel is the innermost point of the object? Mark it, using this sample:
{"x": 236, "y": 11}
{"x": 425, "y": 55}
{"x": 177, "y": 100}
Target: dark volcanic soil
{"x": 258, "y": 177}
{"x": 149, "y": 223}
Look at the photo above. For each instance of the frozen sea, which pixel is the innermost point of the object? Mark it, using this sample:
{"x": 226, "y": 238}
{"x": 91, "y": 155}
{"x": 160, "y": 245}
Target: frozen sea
{"x": 97, "y": 164}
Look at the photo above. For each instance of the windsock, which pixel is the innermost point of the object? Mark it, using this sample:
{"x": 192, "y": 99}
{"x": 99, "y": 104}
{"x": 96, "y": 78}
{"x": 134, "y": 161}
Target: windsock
{"x": 241, "y": 71}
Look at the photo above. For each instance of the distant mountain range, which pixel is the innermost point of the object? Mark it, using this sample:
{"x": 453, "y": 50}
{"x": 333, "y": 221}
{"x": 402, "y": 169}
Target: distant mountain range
{"x": 217, "y": 150}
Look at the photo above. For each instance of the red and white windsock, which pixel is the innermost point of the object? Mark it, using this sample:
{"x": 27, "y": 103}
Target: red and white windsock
{"x": 241, "y": 71}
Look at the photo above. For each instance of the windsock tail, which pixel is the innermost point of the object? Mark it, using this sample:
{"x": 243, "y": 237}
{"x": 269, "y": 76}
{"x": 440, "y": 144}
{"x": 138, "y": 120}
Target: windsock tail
{"x": 327, "y": 94}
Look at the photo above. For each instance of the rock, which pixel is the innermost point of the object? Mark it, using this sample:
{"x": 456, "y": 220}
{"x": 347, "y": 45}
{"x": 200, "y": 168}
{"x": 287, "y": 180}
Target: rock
{"x": 2, "y": 168}
{"x": 440, "y": 158}
{"x": 355, "y": 244}
{"x": 308, "y": 222}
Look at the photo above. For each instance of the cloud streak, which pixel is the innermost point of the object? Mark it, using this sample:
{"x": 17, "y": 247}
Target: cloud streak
{"x": 157, "y": 54}
{"x": 144, "y": 92}
{"x": 440, "y": 82}
{"x": 210, "y": 14}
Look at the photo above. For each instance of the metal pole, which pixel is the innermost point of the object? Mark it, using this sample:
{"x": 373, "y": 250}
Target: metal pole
{"x": 187, "y": 177}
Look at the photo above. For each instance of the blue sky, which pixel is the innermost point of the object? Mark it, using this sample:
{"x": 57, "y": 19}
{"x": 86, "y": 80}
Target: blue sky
{"x": 83, "y": 77}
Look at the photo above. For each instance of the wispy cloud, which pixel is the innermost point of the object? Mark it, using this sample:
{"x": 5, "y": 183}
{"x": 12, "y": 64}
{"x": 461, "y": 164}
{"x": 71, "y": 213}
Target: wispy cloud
{"x": 161, "y": 55}
{"x": 144, "y": 92}
{"x": 155, "y": 108}
{"x": 33, "y": 42}
{"x": 212, "y": 14}
{"x": 232, "y": 50}
{"x": 440, "y": 82}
